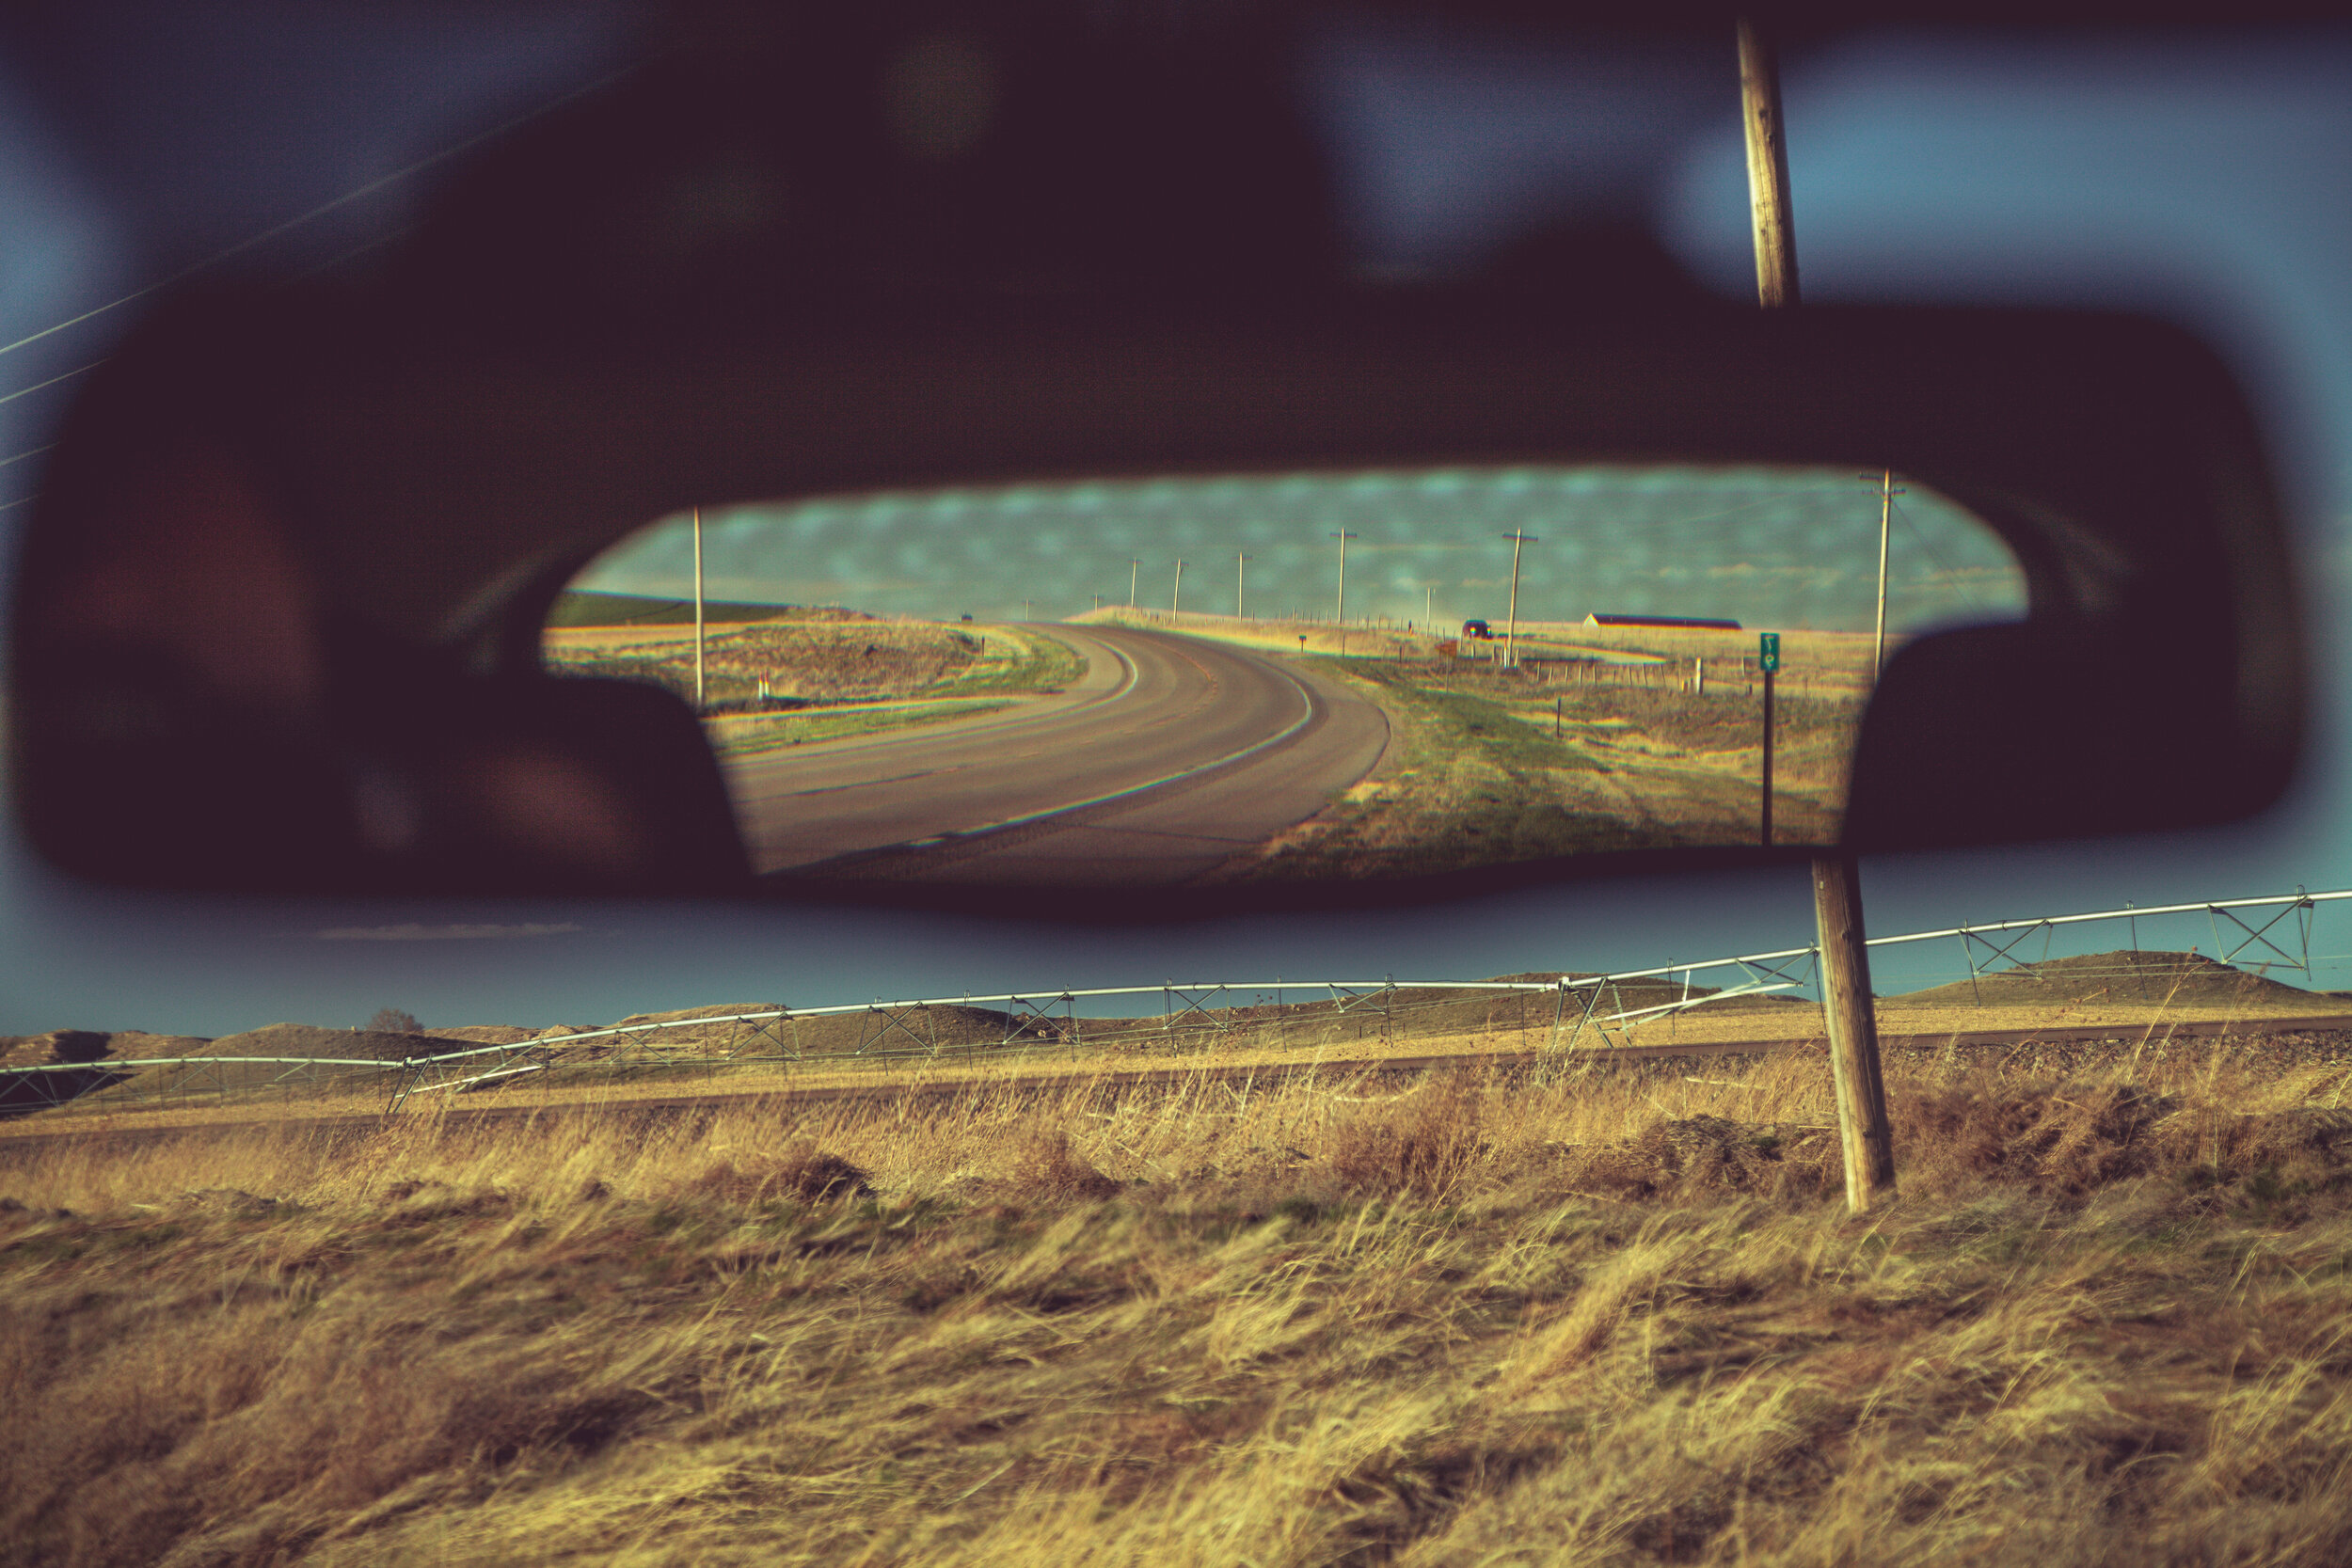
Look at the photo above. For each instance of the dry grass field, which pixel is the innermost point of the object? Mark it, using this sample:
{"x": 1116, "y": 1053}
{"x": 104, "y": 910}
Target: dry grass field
{"x": 1605, "y": 1315}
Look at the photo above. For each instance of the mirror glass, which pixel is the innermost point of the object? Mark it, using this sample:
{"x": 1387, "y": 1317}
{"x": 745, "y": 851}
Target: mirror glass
{"x": 1222, "y": 679}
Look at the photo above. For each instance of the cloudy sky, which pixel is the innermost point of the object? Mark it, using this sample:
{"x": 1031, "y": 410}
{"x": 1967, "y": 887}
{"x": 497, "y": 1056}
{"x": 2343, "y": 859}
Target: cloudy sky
{"x": 1795, "y": 547}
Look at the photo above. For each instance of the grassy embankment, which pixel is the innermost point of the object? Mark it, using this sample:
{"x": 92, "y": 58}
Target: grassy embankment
{"x": 830, "y": 674}
{"x": 1475, "y": 775}
{"x": 1616, "y": 1318}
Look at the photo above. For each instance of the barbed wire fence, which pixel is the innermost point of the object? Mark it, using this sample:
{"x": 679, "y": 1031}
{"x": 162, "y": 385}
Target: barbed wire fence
{"x": 1549, "y": 1013}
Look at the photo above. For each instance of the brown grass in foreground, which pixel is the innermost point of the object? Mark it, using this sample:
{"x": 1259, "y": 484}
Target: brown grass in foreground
{"x": 1607, "y": 1317}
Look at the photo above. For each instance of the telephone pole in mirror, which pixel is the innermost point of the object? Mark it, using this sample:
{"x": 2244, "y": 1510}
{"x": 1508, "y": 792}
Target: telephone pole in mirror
{"x": 1889, "y": 490}
{"x": 1511, "y": 622}
{"x": 1339, "y": 616}
{"x": 1864, "y": 1136}
{"x": 1132, "y": 567}
{"x": 1176, "y": 600}
{"x": 698, "y": 610}
{"x": 1239, "y": 560}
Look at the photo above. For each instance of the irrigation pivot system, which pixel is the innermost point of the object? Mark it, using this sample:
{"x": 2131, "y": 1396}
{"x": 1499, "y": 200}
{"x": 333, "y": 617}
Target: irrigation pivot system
{"x": 1571, "y": 1012}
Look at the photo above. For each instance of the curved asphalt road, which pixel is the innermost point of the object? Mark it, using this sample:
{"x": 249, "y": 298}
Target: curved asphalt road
{"x": 1168, "y": 757}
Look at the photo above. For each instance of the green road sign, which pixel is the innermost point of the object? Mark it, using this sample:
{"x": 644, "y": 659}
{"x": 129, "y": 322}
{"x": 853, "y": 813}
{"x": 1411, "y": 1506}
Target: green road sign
{"x": 1767, "y": 651}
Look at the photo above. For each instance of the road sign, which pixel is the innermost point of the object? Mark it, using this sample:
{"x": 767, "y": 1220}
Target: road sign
{"x": 1767, "y": 651}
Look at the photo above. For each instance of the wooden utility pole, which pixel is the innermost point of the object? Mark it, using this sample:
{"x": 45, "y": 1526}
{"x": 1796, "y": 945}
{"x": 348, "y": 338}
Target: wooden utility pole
{"x": 1176, "y": 600}
{"x": 1853, "y": 1036}
{"x": 1889, "y": 490}
{"x": 1339, "y": 615}
{"x": 1518, "y": 538}
{"x": 698, "y": 610}
{"x": 1768, "y": 170}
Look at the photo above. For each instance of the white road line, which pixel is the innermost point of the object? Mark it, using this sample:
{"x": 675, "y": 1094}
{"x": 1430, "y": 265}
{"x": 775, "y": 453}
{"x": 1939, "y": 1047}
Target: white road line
{"x": 1306, "y": 714}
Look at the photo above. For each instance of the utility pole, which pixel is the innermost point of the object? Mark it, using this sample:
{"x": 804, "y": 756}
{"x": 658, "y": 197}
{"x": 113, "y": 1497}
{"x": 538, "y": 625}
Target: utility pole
{"x": 1511, "y": 625}
{"x": 1889, "y": 490}
{"x": 1429, "y": 606}
{"x": 1238, "y": 559}
{"x": 1132, "y": 567}
{"x": 1177, "y": 599}
{"x": 1339, "y": 618}
{"x": 1864, "y": 1136}
{"x": 698, "y": 610}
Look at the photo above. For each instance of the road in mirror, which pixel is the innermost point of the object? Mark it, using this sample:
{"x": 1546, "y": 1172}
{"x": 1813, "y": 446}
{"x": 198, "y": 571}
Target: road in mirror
{"x": 1238, "y": 678}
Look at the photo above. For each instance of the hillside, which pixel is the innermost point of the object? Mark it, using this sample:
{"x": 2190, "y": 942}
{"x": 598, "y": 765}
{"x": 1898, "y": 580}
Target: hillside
{"x": 2181, "y": 979}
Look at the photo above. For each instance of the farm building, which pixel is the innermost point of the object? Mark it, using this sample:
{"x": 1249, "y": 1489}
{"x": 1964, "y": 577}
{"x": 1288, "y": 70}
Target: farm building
{"x": 1688, "y": 622}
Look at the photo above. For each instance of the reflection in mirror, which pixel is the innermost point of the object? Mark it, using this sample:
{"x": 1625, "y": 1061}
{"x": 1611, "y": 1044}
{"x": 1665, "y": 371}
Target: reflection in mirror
{"x": 1188, "y": 680}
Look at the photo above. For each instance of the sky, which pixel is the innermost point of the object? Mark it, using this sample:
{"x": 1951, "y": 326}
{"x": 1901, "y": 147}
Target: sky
{"x": 1768, "y": 548}
{"x": 2206, "y": 179}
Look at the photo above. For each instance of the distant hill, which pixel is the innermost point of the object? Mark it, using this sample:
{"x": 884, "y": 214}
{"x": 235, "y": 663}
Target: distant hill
{"x": 584, "y": 608}
{"x": 2186, "y": 979}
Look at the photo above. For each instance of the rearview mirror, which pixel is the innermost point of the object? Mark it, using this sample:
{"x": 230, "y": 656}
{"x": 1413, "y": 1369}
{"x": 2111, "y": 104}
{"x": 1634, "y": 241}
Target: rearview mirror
{"x": 1245, "y": 679}
{"x": 384, "y": 597}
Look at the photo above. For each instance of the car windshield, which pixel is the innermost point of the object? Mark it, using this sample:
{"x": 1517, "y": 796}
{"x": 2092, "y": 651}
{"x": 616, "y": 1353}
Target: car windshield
{"x": 1524, "y": 1217}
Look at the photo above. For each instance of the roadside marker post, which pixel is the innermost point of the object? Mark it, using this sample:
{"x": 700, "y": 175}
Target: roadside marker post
{"x": 698, "y": 610}
{"x": 1865, "y": 1138}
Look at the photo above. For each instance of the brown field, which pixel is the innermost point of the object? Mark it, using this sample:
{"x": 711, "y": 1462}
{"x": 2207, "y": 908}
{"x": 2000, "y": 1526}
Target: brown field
{"x": 1613, "y": 1318}
{"x": 828, "y": 677}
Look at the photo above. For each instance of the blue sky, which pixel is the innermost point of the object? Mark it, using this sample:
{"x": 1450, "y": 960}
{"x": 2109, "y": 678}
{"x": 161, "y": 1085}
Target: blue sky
{"x": 1794, "y": 547}
{"x": 2210, "y": 182}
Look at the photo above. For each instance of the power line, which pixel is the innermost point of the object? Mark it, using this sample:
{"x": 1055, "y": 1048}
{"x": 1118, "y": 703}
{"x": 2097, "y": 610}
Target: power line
{"x": 321, "y": 210}
{"x": 38, "y": 385}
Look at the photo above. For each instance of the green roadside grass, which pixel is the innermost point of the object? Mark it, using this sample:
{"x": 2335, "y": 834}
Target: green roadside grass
{"x": 743, "y": 735}
{"x": 1466, "y": 781}
{"x": 1014, "y": 661}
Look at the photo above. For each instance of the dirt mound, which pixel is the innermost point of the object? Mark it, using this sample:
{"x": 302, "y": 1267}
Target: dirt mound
{"x": 71, "y": 1047}
{"x": 308, "y": 1039}
{"x": 2183, "y": 978}
{"x": 487, "y": 1034}
{"x": 139, "y": 1044}
{"x": 210, "y": 1075}
{"x": 722, "y": 1010}
{"x": 57, "y": 1048}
